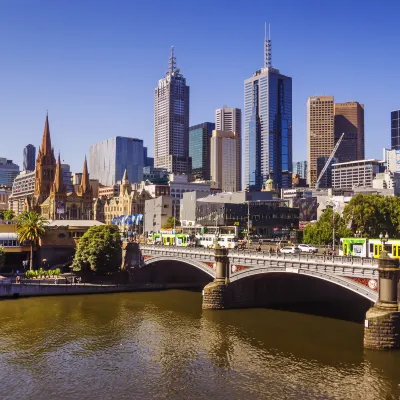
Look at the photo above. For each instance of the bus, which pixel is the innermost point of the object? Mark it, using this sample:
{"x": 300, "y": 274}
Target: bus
{"x": 362, "y": 247}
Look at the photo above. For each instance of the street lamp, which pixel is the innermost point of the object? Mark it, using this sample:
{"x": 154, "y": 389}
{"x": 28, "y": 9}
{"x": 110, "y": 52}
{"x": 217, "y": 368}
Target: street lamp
{"x": 383, "y": 239}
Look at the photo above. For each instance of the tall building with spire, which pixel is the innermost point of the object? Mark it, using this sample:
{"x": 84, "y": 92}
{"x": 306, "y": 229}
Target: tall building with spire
{"x": 267, "y": 126}
{"x": 171, "y": 121}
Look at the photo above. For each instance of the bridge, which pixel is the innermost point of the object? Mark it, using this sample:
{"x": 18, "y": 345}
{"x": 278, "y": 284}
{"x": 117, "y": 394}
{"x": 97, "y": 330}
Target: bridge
{"x": 359, "y": 275}
{"x": 237, "y": 280}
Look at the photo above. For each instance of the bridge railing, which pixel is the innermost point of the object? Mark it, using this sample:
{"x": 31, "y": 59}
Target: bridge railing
{"x": 373, "y": 262}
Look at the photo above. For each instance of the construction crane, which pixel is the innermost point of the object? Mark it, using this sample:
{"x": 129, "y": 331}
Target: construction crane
{"x": 329, "y": 161}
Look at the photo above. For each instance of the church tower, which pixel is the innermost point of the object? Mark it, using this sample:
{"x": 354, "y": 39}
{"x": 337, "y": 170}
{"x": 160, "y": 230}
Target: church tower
{"x": 45, "y": 167}
{"x": 126, "y": 187}
{"x": 85, "y": 191}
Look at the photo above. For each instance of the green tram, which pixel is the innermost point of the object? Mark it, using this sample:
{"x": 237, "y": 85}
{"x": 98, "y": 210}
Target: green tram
{"x": 362, "y": 247}
{"x": 170, "y": 239}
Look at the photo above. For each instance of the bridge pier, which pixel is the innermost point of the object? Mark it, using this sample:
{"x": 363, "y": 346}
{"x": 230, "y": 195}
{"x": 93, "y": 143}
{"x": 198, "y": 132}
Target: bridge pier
{"x": 217, "y": 294}
{"x": 382, "y": 323}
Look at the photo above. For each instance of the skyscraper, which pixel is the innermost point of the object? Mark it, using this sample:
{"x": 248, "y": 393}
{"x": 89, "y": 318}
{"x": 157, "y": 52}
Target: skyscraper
{"x": 8, "y": 172}
{"x": 320, "y": 132}
{"x": 29, "y": 157}
{"x": 110, "y": 158}
{"x": 171, "y": 121}
{"x": 395, "y": 133}
{"x": 199, "y": 149}
{"x": 268, "y": 126}
{"x": 300, "y": 168}
{"x": 224, "y": 156}
{"x": 349, "y": 119}
{"x": 230, "y": 120}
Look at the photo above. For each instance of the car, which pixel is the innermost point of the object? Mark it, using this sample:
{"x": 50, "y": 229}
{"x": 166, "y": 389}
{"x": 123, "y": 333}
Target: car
{"x": 306, "y": 248}
{"x": 290, "y": 250}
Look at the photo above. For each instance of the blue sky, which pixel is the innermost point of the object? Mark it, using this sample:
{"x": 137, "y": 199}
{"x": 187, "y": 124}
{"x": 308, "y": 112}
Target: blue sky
{"x": 94, "y": 64}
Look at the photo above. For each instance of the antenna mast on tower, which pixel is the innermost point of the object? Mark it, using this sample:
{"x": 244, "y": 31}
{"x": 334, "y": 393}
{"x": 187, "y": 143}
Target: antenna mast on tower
{"x": 267, "y": 47}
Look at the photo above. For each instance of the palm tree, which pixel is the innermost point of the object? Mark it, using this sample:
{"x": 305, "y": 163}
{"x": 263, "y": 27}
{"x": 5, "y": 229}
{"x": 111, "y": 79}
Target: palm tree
{"x": 31, "y": 226}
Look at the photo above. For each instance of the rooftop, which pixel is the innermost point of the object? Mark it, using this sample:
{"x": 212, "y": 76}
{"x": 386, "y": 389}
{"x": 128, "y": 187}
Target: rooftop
{"x": 74, "y": 222}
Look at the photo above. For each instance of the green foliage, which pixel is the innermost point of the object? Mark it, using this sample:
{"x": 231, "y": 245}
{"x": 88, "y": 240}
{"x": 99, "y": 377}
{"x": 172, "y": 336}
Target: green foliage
{"x": 321, "y": 232}
{"x": 374, "y": 214}
{"x": 40, "y": 273}
{"x": 2, "y": 256}
{"x": 99, "y": 250}
{"x": 7, "y": 215}
{"x": 31, "y": 226}
{"x": 170, "y": 223}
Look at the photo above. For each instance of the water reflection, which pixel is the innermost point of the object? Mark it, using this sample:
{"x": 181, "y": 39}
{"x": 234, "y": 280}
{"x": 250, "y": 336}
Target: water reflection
{"x": 161, "y": 345}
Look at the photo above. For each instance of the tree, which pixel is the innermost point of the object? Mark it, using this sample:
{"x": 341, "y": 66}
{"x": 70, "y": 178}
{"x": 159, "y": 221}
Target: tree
{"x": 321, "y": 233}
{"x": 31, "y": 226}
{"x": 99, "y": 250}
{"x": 2, "y": 257}
{"x": 8, "y": 215}
{"x": 170, "y": 223}
{"x": 374, "y": 214}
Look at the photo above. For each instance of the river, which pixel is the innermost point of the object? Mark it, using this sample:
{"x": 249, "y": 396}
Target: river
{"x": 161, "y": 345}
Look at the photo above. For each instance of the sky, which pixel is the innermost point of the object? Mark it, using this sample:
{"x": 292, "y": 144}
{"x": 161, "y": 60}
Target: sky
{"x": 94, "y": 64}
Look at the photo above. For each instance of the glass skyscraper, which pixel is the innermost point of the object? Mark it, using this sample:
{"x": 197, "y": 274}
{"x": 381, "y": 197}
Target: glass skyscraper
{"x": 8, "y": 172}
{"x": 29, "y": 157}
{"x": 199, "y": 149}
{"x": 171, "y": 121}
{"x": 109, "y": 159}
{"x": 395, "y": 134}
{"x": 268, "y": 126}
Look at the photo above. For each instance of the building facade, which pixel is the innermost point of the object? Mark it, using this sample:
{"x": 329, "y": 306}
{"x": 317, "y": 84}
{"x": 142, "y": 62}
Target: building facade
{"x": 224, "y": 158}
{"x": 349, "y": 119}
{"x": 171, "y": 121}
{"x": 355, "y": 174}
{"x": 110, "y": 158}
{"x": 395, "y": 129}
{"x": 156, "y": 213}
{"x": 268, "y": 126}
{"x": 67, "y": 177}
{"x": 300, "y": 168}
{"x": 320, "y": 132}
{"x": 29, "y": 157}
{"x": 230, "y": 120}
{"x": 199, "y": 149}
{"x": 8, "y": 172}
{"x": 393, "y": 161}
{"x": 22, "y": 192}
{"x": 128, "y": 202}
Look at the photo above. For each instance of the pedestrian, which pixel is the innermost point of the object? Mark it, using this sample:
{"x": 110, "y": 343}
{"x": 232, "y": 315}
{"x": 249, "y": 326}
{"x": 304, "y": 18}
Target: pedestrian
{"x": 56, "y": 280}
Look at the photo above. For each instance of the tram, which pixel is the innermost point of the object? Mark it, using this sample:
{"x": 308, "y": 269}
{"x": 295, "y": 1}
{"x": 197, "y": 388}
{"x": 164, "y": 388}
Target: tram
{"x": 362, "y": 247}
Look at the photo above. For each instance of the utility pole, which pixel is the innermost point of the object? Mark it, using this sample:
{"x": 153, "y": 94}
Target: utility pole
{"x": 248, "y": 220}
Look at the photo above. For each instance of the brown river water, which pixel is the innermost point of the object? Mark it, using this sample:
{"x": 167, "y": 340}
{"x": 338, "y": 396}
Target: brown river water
{"x": 161, "y": 345}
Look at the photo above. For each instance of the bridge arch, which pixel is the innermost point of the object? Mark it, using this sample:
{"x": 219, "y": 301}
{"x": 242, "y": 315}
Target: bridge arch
{"x": 197, "y": 264}
{"x": 341, "y": 281}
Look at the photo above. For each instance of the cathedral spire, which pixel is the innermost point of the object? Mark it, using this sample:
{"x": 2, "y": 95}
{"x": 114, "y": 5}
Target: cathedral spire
{"x": 85, "y": 183}
{"x": 58, "y": 185}
{"x": 125, "y": 179}
{"x": 46, "y": 141}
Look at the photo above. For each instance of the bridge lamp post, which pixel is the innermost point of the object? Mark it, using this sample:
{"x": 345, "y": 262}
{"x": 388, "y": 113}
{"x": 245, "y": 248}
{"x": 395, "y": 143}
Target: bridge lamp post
{"x": 383, "y": 239}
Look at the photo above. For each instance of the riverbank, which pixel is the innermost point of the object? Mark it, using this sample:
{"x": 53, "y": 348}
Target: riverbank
{"x": 15, "y": 290}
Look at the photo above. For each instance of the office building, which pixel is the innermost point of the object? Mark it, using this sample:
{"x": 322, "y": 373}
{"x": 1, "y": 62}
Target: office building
{"x": 395, "y": 130}
{"x": 29, "y": 157}
{"x": 349, "y": 119}
{"x": 5, "y": 193}
{"x": 392, "y": 158}
{"x": 355, "y": 174}
{"x": 67, "y": 177}
{"x": 147, "y": 161}
{"x": 230, "y": 120}
{"x": 8, "y": 172}
{"x": 22, "y": 192}
{"x": 300, "y": 168}
{"x": 110, "y": 158}
{"x": 156, "y": 213}
{"x": 224, "y": 158}
{"x": 268, "y": 126}
{"x": 320, "y": 132}
{"x": 171, "y": 121}
{"x": 199, "y": 149}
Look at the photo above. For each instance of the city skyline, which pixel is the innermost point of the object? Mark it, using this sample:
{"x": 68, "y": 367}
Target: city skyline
{"x": 108, "y": 90}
